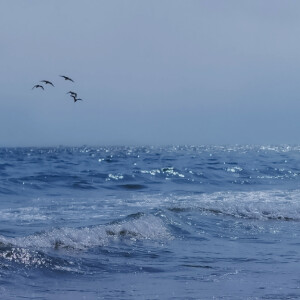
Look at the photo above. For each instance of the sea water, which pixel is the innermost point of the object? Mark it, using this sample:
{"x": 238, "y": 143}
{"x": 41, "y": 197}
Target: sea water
{"x": 178, "y": 222}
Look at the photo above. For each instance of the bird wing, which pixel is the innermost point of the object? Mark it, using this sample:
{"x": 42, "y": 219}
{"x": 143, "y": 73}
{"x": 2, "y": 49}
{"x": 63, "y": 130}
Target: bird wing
{"x": 38, "y": 86}
{"x": 66, "y": 78}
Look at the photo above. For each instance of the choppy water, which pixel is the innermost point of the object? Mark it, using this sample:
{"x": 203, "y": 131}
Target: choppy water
{"x": 150, "y": 223}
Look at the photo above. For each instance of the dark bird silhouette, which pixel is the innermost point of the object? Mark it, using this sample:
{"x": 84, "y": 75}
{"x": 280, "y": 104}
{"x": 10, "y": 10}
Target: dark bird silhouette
{"x": 66, "y": 78}
{"x": 38, "y": 86}
{"x": 76, "y": 99}
{"x": 47, "y": 82}
{"x": 72, "y": 93}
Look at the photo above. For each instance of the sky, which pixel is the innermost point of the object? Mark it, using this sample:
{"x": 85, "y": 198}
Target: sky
{"x": 156, "y": 72}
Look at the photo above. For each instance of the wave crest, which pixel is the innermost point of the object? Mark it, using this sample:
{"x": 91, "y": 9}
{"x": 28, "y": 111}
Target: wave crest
{"x": 262, "y": 205}
{"x": 145, "y": 227}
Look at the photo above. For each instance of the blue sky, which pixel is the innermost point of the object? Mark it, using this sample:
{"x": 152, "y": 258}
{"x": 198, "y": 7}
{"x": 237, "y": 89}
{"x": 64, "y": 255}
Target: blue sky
{"x": 150, "y": 72}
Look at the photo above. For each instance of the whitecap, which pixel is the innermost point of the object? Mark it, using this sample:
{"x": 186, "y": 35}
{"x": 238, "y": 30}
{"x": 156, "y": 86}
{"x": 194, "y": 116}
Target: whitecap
{"x": 144, "y": 228}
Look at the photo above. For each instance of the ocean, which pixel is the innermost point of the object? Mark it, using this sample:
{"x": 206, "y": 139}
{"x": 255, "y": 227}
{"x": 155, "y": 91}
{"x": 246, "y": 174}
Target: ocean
{"x": 176, "y": 222}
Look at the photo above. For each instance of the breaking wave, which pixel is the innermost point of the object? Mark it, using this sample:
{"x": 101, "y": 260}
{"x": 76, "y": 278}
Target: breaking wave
{"x": 261, "y": 205}
{"x": 142, "y": 228}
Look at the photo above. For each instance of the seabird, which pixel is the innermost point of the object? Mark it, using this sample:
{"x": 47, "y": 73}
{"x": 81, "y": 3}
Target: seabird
{"x": 72, "y": 93}
{"x": 47, "y": 82}
{"x": 76, "y": 99}
{"x": 38, "y": 86}
{"x": 66, "y": 78}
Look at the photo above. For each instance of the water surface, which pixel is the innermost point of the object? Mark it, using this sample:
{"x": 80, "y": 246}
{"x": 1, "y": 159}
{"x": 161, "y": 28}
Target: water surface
{"x": 150, "y": 223}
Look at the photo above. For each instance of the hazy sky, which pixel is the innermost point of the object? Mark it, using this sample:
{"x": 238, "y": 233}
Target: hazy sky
{"x": 150, "y": 72}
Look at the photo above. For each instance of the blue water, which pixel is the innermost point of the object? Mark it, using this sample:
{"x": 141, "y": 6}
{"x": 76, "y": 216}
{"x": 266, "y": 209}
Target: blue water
{"x": 150, "y": 223}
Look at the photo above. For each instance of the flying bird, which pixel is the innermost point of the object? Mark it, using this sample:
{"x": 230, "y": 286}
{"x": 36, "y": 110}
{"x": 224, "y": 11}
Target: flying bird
{"x": 66, "y": 78}
{"x": 76, "y": 99}
{"x": 47, "y": 82}
{"x": 38, "y": 86}
{"x": 72, "y": 93}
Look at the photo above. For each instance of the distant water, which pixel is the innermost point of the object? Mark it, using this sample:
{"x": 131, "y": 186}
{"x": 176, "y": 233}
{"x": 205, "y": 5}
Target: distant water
{"x": 150, "y": 223}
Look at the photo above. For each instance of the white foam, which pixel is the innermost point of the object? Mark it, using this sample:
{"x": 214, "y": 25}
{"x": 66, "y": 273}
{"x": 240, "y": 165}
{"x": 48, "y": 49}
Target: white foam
{"x": 145, "y": 227}
{"x": 281, "y": 205}
{"x": 23, "y": 256}
{"x": 114, "y": 177}
{"x": 263, "y": 205}
{"x": 26, "y": 214}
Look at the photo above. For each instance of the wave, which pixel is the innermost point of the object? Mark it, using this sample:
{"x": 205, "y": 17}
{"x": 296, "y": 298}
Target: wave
{"x": 261, "y": 205}
{"x": 58, "y": 249}
{"x": 141, "y": 228}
